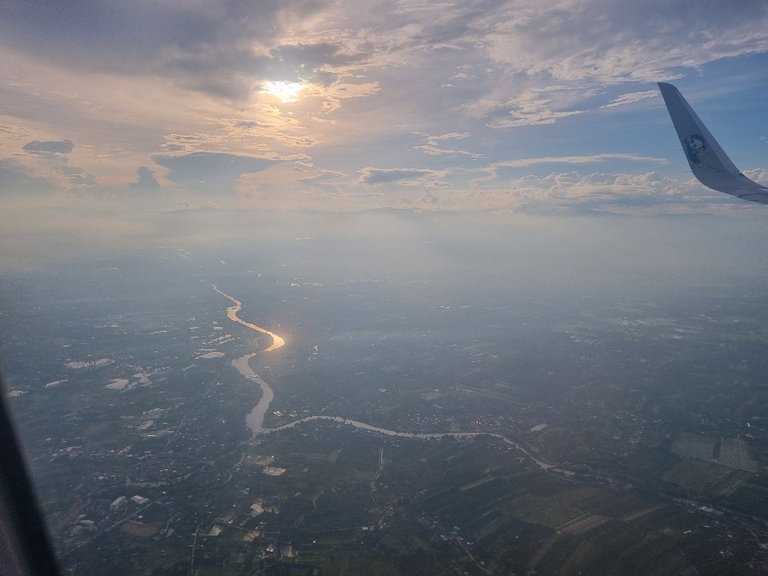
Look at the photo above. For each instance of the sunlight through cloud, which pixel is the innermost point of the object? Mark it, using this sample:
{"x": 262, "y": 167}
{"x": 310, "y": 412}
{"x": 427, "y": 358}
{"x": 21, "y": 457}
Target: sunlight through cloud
{"x": 285, "y": 91}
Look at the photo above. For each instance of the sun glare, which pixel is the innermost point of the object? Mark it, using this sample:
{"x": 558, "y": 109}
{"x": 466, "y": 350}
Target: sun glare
{"x": 285, "y": 91}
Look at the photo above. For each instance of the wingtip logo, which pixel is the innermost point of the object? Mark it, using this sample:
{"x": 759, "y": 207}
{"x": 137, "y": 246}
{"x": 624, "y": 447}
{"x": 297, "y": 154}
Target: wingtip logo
{"x": 695, "y": 146}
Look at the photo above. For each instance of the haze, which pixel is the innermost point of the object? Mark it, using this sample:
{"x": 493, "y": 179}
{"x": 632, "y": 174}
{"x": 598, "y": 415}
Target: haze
{"x": 385, "y": 287}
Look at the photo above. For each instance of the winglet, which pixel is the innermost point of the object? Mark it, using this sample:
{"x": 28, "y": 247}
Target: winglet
{"x": 708, "y": 162}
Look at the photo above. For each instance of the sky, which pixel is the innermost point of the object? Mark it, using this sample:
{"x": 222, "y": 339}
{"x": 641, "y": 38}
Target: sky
{"x": 322, "y": 105}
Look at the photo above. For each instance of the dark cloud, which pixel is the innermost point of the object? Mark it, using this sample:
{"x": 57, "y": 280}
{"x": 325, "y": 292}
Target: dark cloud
{"x": 147, "y": 180}
{"x": 207, "y": 46}
{"x": 44, "y": 148}
{"x": 54, "y": 152}
{"x": 216, "y": 172}
{"x": 222, "y": 46}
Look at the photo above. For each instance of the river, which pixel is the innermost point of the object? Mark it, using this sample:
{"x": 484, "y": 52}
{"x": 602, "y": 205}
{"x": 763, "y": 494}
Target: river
{"x": 255, "y": 418}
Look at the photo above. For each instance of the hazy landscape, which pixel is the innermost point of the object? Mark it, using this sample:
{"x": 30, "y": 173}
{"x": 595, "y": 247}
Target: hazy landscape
{"x": 614, "y": 371}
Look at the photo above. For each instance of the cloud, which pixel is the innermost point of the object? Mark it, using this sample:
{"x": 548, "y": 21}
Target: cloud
{"x": 529, "y": 109}
{"x": 52, "y": 158}
{"x": 759, "y": 175}
{"x": 433, "y": 147}
{"x": 147, "y": 180}
{"x": 631, "y": 98}
{"x": 309, "y": 62}
{"x": 19, "y": 180}
{"x": 406, "y": 176}
{"x": 585, "y": 159}
{"x": 225, "y": 47}
{"x": 44, "y": 148}
{"x": 77, "y": 177}
{"x": 213, "y": 171}
{"x": 609, "y": 42}
{"x": 492, "y": 172}
{"x": 456, "y": 89}
{"x": 210, "y": 46}
{"x": 649, "y": 192}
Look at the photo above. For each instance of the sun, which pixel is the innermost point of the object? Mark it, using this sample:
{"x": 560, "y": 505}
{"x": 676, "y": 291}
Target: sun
{"x": 285, "y": 91}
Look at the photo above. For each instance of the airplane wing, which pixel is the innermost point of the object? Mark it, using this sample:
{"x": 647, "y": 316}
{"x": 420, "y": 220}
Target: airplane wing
{"x": 25, "y": 546}
{"x": 708, "y": 162}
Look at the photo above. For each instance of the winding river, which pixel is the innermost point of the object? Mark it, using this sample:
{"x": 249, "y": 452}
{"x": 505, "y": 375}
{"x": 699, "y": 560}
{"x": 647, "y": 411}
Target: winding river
{"x": 255, "y": 418}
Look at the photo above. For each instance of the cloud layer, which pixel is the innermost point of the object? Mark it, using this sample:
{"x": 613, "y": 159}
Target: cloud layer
{"x": 458, "y": 101}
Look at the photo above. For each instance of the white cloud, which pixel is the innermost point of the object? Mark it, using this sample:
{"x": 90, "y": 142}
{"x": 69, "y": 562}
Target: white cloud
{"x": 608, "y": 42}
{"x": 434, "y": 147}
{"x": 631, "y": 98}
{"x": 586, "y": 159}
{"x": 759, "y": 175}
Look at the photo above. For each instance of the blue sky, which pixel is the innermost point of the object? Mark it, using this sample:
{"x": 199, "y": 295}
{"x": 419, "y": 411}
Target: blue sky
{"x": 525, "y": 106}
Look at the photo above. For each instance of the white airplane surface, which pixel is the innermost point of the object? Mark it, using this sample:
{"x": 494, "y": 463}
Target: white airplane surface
{"x": 708, "y": 162}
